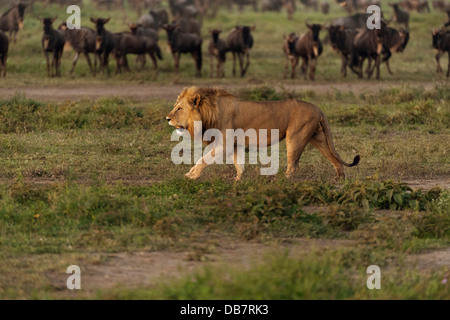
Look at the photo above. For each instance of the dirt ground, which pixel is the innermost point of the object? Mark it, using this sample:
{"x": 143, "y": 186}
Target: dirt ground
{"x": 169, "y": 92}
{"x": 146, "y": 268}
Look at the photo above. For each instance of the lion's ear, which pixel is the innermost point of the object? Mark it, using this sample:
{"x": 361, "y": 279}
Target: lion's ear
{"x": 197, "y": 101}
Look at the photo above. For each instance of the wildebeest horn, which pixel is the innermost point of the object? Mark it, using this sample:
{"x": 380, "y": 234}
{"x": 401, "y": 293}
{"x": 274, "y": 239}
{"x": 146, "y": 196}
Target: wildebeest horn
{"x": 308, "y": 25}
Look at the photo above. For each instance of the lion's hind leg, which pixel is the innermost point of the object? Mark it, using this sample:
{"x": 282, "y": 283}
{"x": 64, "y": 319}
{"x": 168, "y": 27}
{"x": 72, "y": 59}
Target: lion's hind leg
{"x": 240, "y": 168}
{"x": 320, "y": 142}
{"x": 295, "y": 144}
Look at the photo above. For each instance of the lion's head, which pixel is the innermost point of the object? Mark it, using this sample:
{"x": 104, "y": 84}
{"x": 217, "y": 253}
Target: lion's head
{"x": 196, "y": 104}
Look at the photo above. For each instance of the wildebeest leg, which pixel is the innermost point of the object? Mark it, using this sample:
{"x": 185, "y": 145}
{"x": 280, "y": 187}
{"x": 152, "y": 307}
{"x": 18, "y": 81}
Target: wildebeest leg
{"x": 58, "y": 64}
{"x": 343, "y": 65}
{"x": 143, "y": 60}
{"x": 312, "y": 69}
{"x": 386, "y": 58}
{"x": 388, "y": 67}
{"x": 305, "y": 67}
{"x": 155, "y": 61}
{"x": 294, "y": 64}
{"x": 241, "y": 63}
{"x": 176, "y": 57}
{"x": 211, "y": 66}
{"x": 75, "y": 60}
{"x": 320, "y": 142}
{"x": 234, "y": 64}
{"x": 5, "y": 58}
{"x": 48, "y": 64}
{"x": 246, "y": 55}
{"x": 106, "y": 63}
{"x": 438, "y": 57}
{"x": 448, "y": 68}
{"x": 286, "y": 66}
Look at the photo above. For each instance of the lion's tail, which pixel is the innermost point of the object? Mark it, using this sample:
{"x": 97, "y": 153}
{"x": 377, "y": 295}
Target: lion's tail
{"x": 327, "y": 131}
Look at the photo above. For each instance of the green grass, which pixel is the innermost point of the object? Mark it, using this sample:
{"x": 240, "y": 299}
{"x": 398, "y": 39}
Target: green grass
{"x": 83, "y": 180}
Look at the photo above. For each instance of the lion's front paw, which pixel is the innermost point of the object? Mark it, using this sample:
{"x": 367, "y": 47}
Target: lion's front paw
{"x": 192, "y": 176}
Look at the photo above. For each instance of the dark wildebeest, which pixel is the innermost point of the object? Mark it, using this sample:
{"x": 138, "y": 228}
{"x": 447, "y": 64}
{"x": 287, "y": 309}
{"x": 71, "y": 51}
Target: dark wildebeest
{"x": 217, "y": 49}
{"x": 242, "y": 3}
{"x": 189, "y": 25}
{"x": 135, "y": 44}
{"x": 154, "y": 19}
{"x": 418, "y": 5}
{"x": 180, "y": 42}
{"x": 289, "y": 51}
{"x": 290, "y": 8}
{"x": 341, "y": 40}
{"x": 52, "y": 42}
{"x": 240, "y": 42}
{"x": 4, "y": 44}
{"x": 309, "y": 48}
{"x": 367, "y": 44}
{"x": 355, "y": 21}
{"x": 272, "y": 5}
{"x": 400, "y": 16}
{"x": 83, "y": 42}
{"x": 325, "y": 7}
{"x": 311, "y": 4}
{"x": 12, "y": 20}
{"x": 183, "y": 9}
{"x": 104, "y": 42}
{"x": 393, "y": 41}
{"x": 441, "y": 42}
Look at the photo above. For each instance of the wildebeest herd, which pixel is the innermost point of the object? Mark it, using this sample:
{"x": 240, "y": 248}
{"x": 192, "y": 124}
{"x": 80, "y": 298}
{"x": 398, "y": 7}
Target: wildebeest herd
{"x": 348, "y": 36}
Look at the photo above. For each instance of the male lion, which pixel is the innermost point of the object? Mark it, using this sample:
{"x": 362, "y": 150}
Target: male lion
{"x": 299, "y": 122}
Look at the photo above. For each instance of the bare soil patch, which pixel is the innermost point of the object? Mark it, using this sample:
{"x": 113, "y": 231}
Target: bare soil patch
{"x": 151, "y": 91}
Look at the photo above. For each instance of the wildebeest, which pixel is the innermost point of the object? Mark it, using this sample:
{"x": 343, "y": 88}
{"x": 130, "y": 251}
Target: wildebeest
{"x": 441, "y": 42}
{"x": 290, "y": 8}
{"x": 393, "y": 41}
{"x": 242, "y": 3}
{"x": 400, "y": 16}
{"x": 355, "y": 21}
{"x": 291, "y": 56}
{"x": 180, "y": 42}
{"x": 4, "y": 44}
{"x": 367, "y": 44}
{"x": 341, "y": 40}
{"x": 272, "y": 5}
{"x": 83, "y": 42}
{"x": 240, "y": 42}
{"x": 154, "y": 19}
{"x": 104, "y": 42}
{"x": 52, "y": 42}
{"x": 12, "y": 20}
{"x": 183, "y": 9}
{"x": 189, "y": 25}
{"x": 135, "y": 44}
{"x": 217, "y": 49}
{"x": 309, "y": 48}
{"x": 325, "y": 7}
{"x": 311, "y": 4}
{"x": 418, "y": 5}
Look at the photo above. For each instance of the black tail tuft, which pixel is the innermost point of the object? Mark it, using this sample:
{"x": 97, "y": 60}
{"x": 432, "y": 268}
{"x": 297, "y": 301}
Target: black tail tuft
{"x": 355, "y": 161}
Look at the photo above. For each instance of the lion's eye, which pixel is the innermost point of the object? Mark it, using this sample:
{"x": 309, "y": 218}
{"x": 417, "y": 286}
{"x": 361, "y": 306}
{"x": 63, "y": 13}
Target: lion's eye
{"x": 178, "y": 109}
